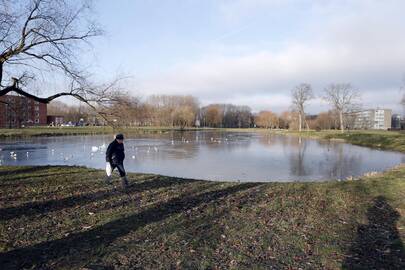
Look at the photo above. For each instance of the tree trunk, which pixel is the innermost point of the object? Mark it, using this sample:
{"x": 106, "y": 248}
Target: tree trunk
{"x": 1, "y": 73}
{"x": 342, "y": 128}
{"x": 299, "y": 122}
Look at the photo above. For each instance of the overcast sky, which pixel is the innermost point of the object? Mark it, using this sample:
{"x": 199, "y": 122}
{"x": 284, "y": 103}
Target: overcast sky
{"x": 253, "y": 52}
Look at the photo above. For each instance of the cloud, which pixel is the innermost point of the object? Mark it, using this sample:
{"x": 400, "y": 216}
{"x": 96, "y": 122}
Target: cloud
{"x": 362, "y": 43}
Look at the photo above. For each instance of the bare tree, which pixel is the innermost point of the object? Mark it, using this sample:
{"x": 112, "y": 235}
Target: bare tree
{"x": 267, "y": 119}
{"x": 40, "y": 37}
{"x": 325, "y": 120}
{"x": 183, "y": 116}
{"x": 212, "y": 115}
{"x": 301, "y": 94}
{"x": 163, "y": 106}
{"x": 344, "y": 99}
{"x": 125, "y": 111}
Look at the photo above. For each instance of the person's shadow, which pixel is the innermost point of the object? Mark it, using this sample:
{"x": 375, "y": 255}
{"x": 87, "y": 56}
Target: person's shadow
{"x": 378, "y": 244}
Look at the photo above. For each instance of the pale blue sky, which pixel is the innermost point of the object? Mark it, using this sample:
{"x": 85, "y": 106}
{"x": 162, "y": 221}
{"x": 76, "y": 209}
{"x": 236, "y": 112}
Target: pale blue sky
{"x": 154, "y": 35}
{"x": 253, "y": 51}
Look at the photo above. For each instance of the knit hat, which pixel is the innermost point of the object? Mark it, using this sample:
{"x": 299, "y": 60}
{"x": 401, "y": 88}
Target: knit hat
{"x": 119, "y": 136}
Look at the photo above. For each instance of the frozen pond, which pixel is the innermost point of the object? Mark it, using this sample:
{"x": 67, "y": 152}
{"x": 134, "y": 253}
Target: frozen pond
{"x": 208, "y": 155}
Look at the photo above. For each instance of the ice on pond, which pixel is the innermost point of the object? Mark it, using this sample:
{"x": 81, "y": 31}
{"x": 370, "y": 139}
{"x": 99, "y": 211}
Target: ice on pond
{"x": 216, "y": 156}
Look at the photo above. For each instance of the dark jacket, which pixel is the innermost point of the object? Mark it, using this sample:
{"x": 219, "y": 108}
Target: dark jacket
{"x": 115, "y": 153}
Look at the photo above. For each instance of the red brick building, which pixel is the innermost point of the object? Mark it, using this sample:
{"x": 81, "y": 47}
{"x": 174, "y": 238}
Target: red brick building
{"x": 19, "y": 111}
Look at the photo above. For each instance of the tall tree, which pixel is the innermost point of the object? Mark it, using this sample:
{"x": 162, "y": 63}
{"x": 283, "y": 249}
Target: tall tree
{"x": 325, "y": 120}
{"x": 343, "y": 98}
{"x": 42, "y": 39}
{"x": 301, "y": 94}
{"x": 212, "y": 115}
{"x": 183, "y": 116}
{"x": 267, "y": 119}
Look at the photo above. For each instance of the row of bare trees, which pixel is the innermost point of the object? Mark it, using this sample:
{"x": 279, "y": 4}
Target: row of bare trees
{"x": 341, "y": 96}
{"x": 226, "y": 115}
{"x": 158, "y": 110}
{"x": 163, "y": 110}
{"x": 184, "y": 111}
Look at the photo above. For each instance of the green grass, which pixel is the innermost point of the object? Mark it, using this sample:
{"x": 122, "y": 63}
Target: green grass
{"x": 89, "y": 130}
{"x": 53, "y": 131}
{"x": 386, "y": 140}
{"x": 67, "y": 218}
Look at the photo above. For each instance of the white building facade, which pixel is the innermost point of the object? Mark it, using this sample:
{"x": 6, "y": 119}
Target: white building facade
{"x": 373, "y": 119}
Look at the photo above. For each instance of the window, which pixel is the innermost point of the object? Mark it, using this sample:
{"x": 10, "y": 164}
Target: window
{"x": 37, "y": 114}
{"x": 37, "y": 108}
{"x": 37, "y": 120}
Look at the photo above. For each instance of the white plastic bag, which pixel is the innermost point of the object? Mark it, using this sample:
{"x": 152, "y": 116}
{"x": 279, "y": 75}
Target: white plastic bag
{"x": 108, "y": 169}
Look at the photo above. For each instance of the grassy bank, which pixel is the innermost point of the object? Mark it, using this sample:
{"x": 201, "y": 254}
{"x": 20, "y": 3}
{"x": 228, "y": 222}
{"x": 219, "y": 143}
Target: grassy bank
{"x": 62, "y": 131}
{"x": 53, "y": 131}
{"x": 66, "y": 131}
{"x": 387, "y": 140}
{"x": 67, "y": 218}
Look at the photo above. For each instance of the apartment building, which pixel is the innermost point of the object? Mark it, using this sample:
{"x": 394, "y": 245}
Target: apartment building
{"x": 19, "y": 111}
{"x": 373, "y": 119}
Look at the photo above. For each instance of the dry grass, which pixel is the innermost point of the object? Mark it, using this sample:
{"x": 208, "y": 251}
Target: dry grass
{"x": 67, "y": 218}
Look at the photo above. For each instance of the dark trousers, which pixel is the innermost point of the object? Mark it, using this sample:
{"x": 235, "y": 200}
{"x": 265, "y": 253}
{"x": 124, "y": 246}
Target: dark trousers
{"x": 120, "y": 168}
